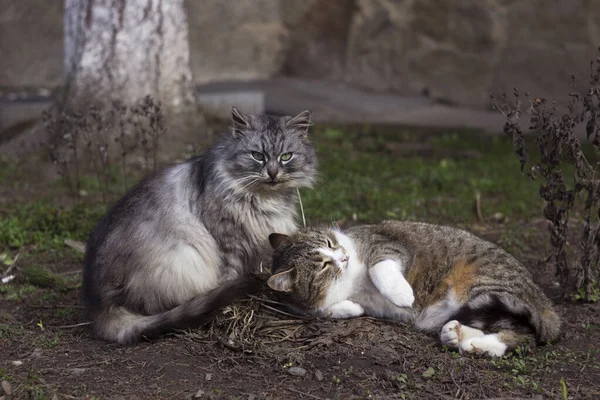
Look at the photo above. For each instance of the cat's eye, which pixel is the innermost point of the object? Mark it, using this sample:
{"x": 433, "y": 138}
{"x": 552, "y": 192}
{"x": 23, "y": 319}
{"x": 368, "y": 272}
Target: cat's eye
{"x": 285, "y": 157}
{"x": 326, "y": 264}
{"x": 329, "y": 244}
{"x": 258, "y": 156}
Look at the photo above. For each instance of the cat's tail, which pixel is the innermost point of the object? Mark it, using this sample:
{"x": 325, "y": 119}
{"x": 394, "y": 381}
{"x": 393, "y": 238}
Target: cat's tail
{"x": 120, "y": 325}
{"x": 501, "y": 311}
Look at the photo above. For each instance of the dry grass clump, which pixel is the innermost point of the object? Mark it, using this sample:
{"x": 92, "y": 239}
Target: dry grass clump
{"x": 251, "y": 323}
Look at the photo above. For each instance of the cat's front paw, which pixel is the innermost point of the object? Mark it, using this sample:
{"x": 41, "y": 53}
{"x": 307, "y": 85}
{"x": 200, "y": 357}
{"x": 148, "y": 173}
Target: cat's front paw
{"x": 346, "y": 309}
{"x": 404, "y": 300}
{"x": 402, "y": 295}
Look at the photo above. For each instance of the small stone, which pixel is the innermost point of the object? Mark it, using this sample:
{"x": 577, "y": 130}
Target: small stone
{"x": 297, "y": 371}
{"x": 77, "y": 371}
{"x": 7, "y": 387}
{"x": 83, "y": 193}
{"x": 318, "y": 375}
{"x": 208, "y": 377}
{"x": 498, "y": 217}
{"x": 199, "y": 394}
{"x": 252, "y": 397}
{"x": 17, "y": 363}
{"x": 36, "y": 353}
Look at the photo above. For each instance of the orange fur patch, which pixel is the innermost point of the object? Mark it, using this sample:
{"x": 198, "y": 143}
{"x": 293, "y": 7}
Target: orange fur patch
{"x": 461, "y": 278}
{"x": 431, "y": 283}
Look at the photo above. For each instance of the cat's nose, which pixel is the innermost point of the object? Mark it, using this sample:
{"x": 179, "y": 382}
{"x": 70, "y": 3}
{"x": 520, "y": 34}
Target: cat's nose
{"x": 272, "y": 170}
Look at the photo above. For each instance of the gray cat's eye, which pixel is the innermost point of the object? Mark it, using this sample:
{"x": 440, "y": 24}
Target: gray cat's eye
{"x": 285, "y": 157}
{"x": 258, "y": 156}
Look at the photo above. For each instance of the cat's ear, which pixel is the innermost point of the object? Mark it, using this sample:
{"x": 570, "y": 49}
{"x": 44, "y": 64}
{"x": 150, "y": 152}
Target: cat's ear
{"x": 282, "y": 281}
{"x": 276, "y": 239}
{"x": 240, "y": 122}
{"x": 300, "y": 122}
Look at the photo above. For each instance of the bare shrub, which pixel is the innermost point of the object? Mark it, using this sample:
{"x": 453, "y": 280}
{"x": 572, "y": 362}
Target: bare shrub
{"x": 108, "y": 142}
{"x": 555, "y": 131}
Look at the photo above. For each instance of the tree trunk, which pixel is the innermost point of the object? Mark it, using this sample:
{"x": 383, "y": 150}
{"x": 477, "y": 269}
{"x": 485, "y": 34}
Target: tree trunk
{"x": 128, "y": 49}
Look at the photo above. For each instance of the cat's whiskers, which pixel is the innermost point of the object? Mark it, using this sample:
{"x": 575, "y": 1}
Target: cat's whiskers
{"x": 252, "y": 182}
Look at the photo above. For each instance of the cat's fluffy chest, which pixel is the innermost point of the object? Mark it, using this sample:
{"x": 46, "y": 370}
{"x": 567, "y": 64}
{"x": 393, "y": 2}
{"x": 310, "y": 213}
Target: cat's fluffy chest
{"x": 263, "y": 216}
{"x": 356, "y": 285}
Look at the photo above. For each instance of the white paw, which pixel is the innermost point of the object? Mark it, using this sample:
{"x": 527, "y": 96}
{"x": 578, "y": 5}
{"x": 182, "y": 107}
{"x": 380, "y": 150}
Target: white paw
{"x": 402, "y": 295}
{"x": 451, "y": 334}
{"x": 354, "y": 309}
{"x": 403, "y": 299}
{"x": 346, "y": 309}
{"x": 487, "y": 346}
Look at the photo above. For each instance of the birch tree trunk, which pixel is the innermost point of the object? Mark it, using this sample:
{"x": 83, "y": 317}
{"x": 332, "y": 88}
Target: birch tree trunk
{"x": 127, "y": 49}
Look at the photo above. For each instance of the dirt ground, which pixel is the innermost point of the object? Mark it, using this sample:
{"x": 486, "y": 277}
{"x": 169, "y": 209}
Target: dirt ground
{"x": 255, "y": 351}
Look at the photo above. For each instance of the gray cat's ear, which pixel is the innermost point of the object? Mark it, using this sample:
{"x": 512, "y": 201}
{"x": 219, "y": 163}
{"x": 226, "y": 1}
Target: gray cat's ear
{"x": 239, "y": 120}
{"x": 276, "y": 239}
{"x": 282, "y": 281}
{"x": 300, "y": 122}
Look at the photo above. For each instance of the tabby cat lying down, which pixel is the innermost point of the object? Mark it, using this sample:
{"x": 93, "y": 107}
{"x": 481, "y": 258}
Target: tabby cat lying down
{"x": 476, "y": 296}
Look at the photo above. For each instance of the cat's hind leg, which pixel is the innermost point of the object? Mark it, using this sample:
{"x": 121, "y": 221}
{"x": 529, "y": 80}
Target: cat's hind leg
{"x": 472, "y": 341}
{"x": 491, "y": 345}
{"x": 454, "y": 333}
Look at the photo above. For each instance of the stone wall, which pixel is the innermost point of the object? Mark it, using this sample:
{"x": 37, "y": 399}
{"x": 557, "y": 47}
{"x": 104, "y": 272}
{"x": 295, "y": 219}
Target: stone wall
{"x": 458, "y": 51}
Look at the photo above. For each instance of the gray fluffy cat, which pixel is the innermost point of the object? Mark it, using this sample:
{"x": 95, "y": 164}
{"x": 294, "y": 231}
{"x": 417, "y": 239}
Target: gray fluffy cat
{"x": 182, "y": 242}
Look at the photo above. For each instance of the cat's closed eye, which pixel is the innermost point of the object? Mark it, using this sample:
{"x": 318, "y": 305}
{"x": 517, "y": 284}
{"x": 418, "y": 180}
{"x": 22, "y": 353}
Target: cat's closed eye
{"x": 325, "y": 267}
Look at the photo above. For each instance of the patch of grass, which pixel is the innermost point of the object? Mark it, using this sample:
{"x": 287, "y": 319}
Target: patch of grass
{"x": 41, "y": 225}
{"x": 64, "y": 312}
{"x": 369, "y": 175}
{"x": 48, "y": 341}
{"x": 10, "y": 331}
{"x": 33, "y": 387}
{"x": 42, "y": 277}
{"x": 4, "y": 375}
{"x": 16, "y": 292}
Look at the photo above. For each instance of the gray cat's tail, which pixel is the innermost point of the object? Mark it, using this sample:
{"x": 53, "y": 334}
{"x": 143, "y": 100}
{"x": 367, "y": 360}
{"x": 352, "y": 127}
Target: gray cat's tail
{"x": 117, "y": 324}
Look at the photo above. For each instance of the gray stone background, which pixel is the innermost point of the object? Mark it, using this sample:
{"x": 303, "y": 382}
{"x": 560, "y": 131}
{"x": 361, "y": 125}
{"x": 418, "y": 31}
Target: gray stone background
{"x": 456, "y": 51}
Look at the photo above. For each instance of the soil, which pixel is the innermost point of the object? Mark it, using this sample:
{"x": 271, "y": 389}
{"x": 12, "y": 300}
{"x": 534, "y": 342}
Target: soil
{"x": 254, "y": 351}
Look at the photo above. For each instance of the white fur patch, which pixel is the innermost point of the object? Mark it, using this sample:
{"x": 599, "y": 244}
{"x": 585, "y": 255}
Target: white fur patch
{"x": 436, "y": 315}
{"x": 487, "y": 345}
{"x": 387, "y": 277}
{"x": 349, "y": 282}
{"x": 338, "y": 256}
